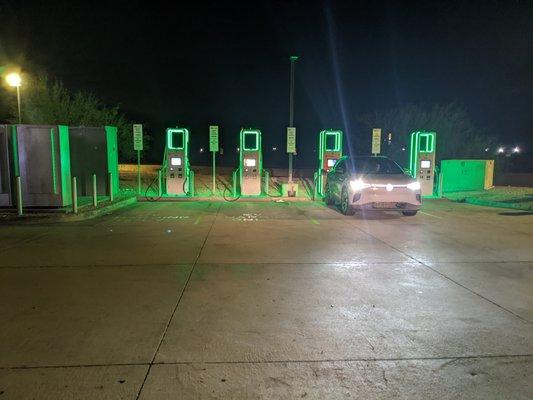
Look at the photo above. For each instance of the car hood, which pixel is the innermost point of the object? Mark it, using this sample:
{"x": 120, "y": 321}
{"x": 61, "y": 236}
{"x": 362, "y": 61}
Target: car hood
{"x": 384, "y": 179}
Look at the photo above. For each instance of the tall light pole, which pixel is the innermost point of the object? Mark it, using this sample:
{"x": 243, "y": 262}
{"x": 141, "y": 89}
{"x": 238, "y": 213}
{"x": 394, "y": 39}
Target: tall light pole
{"x": 293, "y": 60}
{"x": 14, "y": 79}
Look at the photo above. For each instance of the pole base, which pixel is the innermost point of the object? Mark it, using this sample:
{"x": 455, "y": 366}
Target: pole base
{"x": 289, "y": 189}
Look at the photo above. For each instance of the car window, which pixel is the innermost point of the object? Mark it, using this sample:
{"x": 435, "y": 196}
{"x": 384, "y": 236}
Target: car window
{"x": 340, "y": 166}
{"x": 375, "y": 166}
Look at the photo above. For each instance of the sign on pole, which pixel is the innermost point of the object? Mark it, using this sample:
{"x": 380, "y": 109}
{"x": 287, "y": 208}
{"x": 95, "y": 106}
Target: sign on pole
{"x": 291, "y": 140}
{"x": 213, "y": 138}
{"x": 138, "y": 146}
{"x": 376, "y": 141}
{"x": 213, "y": 147}
{"x": 137, "y": 137}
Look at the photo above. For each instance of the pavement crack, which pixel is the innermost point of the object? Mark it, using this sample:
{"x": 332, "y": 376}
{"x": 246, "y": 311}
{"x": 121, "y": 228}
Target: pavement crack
{"x": 439, "y": 273}
{"x": 177, "y": 304}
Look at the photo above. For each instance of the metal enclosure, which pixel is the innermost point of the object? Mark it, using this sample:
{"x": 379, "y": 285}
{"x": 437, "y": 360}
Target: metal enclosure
{"x": 422, "y": 160}
{"x": 464, "y": 175}
{"x": 329, "y": 151}
{"x": 178, "y": 179}
{"x": 41, "y": 157}
{"x": 6, "y": 199}
{"x": 94, "y": 150}
{"x": 250, "y": 163}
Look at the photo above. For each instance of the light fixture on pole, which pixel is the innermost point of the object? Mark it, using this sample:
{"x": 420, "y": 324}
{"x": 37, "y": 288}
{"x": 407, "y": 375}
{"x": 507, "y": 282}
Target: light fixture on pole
{"x": 13, "y": 79}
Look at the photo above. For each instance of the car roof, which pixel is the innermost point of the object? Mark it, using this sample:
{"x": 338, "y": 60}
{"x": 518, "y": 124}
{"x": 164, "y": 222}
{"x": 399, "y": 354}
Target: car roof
{"x": 366, "y": 157}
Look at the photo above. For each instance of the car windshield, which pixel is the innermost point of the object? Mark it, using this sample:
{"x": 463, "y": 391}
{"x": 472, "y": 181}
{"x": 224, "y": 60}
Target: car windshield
{"x": 374, "y": 166}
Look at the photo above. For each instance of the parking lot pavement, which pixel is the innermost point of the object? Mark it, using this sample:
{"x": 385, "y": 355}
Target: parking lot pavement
{"x": 269, "y": 300}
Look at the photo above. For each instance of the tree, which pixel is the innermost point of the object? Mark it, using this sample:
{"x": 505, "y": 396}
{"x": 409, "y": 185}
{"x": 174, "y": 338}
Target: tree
{"x": 457, "y": 136}
{"x": 50, "y": 103}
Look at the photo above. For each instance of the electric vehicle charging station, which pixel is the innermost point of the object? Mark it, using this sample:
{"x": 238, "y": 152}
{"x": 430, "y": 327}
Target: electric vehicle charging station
{"x": 178, "y": 176}
{"x": 329, "y": 151}
{"x": 250, "y": 162}
{"x": 422, "y": 160}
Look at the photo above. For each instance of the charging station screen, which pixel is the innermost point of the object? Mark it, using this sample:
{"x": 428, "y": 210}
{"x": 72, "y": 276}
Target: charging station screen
{"x": 331, "y": 162}
{"x": 249, "y": 162}
{"x": 425, "y": 164}
{"x": 175, "y": 161}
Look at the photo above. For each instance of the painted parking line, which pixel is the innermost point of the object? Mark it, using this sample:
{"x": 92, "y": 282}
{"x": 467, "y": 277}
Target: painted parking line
{"x": 197, "y": 221}
{"x": 431, "y": 215}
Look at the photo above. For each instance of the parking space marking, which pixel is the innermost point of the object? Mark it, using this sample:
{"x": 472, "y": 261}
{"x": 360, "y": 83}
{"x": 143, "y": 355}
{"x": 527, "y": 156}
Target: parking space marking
{"x": 431, "y": 215}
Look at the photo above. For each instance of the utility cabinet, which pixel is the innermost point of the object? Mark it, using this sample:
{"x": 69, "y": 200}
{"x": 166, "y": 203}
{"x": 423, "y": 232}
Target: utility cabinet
{"x": 6, "y": 197}
{"x": 467, "y": 175}
{"x": 41, "y": 157}
{"x": 93, "y": 150}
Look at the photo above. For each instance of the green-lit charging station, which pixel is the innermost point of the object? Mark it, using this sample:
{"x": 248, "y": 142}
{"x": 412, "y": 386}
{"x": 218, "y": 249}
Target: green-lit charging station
{"x": 178, "y": 176}
{"x": 250, "y": 162}
{"x": 422, "y": 160}
{"x": 329, "y": 151}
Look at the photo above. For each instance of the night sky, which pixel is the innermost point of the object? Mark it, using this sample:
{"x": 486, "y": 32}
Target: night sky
{"x": 199, "y": 63}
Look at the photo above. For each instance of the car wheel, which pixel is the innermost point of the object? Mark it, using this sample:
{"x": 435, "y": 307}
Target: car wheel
{"x": 409, "y": 213}
{"x": 346, "y": 208}
{"x": 327, "y": 196}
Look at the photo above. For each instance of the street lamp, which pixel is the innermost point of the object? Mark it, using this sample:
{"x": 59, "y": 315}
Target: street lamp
{"x": 14, "y": 79}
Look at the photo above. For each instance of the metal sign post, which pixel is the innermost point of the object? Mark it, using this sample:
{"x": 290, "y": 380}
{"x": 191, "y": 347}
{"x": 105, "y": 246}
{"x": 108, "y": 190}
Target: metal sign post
{"x": 291, "y": 147}
{"x": 376, "y": 141}
{"x": 138, "y": 146}
{"x": 213, "y": 147}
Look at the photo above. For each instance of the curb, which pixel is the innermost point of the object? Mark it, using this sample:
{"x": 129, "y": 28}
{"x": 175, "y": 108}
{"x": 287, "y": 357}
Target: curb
{"x": 84, "y": 214}
{"x": 495, "y": 204}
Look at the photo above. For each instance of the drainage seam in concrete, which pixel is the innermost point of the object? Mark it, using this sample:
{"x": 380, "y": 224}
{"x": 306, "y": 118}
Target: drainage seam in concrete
{"x": 96, "y": 266}
{"x": 25, "y": 241}
{"x": 439, "y": 273}
{"x": 184, "y": 264}
{"x": 330, "y": 360}
{"x": 177, "y": 304}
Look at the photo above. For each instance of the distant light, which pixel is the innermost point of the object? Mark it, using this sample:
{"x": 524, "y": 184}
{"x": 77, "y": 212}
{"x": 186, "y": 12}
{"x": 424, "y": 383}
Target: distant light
{"x": 403, "y": 148}
{"x": 274, "y": 148}
{"x": 201, "y": 149}
{"x": 487, "y": 149}
{"x": 501, "y": 150}
{"x": 238, "y": 149}
{"x": 13, "y": 79}
{"x": 516, "y": 149}
{"x": 389, "y": 187}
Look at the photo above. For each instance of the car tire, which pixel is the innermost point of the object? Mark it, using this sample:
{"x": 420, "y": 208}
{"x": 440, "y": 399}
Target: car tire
{"x": 346, "y": 208}
{"x": 409, "y": 213}
{"x": 327, "y": 196}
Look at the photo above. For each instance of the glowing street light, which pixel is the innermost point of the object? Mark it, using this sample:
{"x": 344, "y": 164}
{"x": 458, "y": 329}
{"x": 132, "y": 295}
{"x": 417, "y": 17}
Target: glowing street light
{"x": 501, "y": 150}
{"x": 13, "y": 79}
{"x": 516, "y": 149}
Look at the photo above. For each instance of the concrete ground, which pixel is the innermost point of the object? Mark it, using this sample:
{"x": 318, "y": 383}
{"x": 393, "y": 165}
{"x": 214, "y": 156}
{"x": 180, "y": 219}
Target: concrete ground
{"x": 269, "y": 301}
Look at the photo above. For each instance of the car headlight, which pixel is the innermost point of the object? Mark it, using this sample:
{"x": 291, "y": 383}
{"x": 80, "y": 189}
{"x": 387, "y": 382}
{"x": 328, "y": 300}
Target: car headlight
{"x": 358, "y": 185}
{"x": 414, "y": 185}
